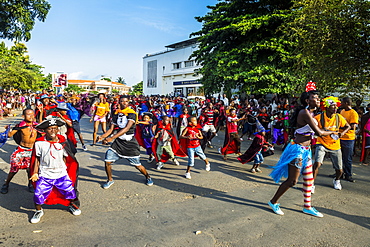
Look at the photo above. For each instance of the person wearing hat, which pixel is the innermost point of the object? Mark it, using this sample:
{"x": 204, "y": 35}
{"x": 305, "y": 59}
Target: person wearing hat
{"x": 60, "y": 98}
{"x": 330, "y": 120}
{"x": 44, "y": 108}
{"x": 54, "y": 170}
{"x": 61, "y": 112}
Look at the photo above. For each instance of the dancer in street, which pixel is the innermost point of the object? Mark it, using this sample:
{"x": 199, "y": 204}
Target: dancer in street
{"x": 297, "y": 158}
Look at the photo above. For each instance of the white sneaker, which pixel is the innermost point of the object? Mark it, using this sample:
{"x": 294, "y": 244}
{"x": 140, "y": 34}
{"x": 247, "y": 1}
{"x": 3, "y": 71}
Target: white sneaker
{"x": 176, "y": 162}
{"x": 208, "y": 167}
{"x": 313, "y": 189}
{"x": 159, "y": 165}
{"x": 241, "y": 139}
{"x": 37, "y": 216}
{"x": 337, "y": 185}
{"x": 187, "y": 175}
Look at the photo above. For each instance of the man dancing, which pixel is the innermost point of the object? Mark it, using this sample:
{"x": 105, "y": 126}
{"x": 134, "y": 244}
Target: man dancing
{"x": 25, "y": 136}
{"x": 124, "y": 144}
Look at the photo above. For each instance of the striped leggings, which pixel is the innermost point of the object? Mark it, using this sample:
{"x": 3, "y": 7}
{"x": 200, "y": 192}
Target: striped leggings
{"x": 307, "y": 184}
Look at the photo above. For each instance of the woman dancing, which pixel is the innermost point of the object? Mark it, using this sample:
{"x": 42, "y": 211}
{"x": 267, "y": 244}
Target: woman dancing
{"x": 297, "y": 157}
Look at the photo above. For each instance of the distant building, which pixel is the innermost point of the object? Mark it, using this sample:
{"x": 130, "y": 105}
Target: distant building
{"x": 172, "y": 71}
{"x": 102, "y": 86}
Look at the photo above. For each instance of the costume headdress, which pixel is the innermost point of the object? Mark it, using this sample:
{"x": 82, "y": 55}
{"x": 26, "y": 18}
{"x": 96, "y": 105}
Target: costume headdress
{"x": 330, "y": 100}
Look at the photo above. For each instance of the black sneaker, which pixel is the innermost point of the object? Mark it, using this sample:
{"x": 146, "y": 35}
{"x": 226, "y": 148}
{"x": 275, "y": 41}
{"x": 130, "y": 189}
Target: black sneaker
{"x": 4, "y": 189}
{"x": 74, "y": 209}
{"x": 349, "y": 179}
{"x": 30, "y": 188}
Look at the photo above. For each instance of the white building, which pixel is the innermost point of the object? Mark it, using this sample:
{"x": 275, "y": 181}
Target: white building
{"x": 101, "y": 86}
{"x": 171, "y": 71}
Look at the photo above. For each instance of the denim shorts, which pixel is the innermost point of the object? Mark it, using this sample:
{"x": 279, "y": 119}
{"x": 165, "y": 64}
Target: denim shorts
{"x": 111, "y": 156}
{"x": 191, "y": 153}
{"x": 258, "y": 159}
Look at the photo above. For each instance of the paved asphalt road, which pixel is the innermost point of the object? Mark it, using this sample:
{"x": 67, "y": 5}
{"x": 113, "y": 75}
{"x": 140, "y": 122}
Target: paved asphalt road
{"x": 226, "y": 206}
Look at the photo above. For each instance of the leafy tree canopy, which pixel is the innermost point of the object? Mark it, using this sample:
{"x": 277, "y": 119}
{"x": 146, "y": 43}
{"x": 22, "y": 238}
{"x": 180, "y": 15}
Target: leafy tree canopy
{"x": 17, "y": 17}
{"x": 137, "y": 89}
{"x": 242, "y": 46}
{"x": 334, "y": 45}
{"x": 17, "y": 71}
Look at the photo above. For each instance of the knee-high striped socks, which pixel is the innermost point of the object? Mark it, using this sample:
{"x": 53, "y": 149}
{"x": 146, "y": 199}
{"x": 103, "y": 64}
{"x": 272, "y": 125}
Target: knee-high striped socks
{"x": 307, "y": 185}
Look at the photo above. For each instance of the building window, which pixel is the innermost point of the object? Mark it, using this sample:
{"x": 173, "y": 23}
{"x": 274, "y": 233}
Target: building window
{"x": 189, "y": 63}
{"x": 177, "y": 65}
{"x": 152, "y": 74}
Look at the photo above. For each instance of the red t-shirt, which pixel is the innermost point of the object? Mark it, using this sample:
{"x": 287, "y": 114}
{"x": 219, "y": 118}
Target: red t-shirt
{"x": 233, "y": 126}
{"x": 192, "y": 131}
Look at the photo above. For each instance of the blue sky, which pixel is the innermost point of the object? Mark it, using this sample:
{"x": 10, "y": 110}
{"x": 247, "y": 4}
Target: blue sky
{"x": 90, "y": 38}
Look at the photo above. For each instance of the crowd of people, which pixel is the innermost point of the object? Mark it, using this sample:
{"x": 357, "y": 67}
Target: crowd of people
{"x": 306, "y": 128}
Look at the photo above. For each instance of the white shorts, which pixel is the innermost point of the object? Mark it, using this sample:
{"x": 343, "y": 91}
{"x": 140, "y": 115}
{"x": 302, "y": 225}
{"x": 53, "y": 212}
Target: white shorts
{"x": 209, "y": 127}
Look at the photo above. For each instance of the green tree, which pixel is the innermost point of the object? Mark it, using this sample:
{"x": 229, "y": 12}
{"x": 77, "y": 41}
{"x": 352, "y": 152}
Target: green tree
{"x": 18, "y": 17}
{"x": 121, "y": 80}
{"x": 242, "y": 46}
{"x": 16, "y": 69}
{"x": 74, "y": 88}
{"x": 137, "y": 89}
{"x": 334, "y": 45}
{"x": 115, "y": 91}
{"x": 106, "y": 79}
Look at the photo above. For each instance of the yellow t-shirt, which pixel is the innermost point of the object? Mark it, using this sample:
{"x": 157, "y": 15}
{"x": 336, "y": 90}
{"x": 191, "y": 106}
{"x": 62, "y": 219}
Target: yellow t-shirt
{"x": 330, "y": 124}
{"x": 101, "y": 108}
{"x": 352, "y": 118}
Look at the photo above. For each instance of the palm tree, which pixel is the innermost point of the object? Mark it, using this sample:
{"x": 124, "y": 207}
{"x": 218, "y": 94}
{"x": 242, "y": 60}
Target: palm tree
{"x": 121, "y": 80}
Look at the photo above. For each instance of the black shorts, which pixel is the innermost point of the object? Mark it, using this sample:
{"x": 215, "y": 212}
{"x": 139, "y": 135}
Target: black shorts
{"x": 76, "y": 126}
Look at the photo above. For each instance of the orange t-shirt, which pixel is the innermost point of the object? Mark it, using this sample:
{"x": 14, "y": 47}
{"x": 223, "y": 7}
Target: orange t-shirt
{"x": 101, "y": 108}
{"x": 330, "y": 124}
{"x": 352, "y": 118}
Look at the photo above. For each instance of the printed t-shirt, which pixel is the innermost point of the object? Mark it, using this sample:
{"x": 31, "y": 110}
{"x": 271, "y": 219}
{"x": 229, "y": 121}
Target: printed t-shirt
{"x": 192, "y": 133}
{"x": 352, "y": 118}
{"x": 330, "y": 125}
